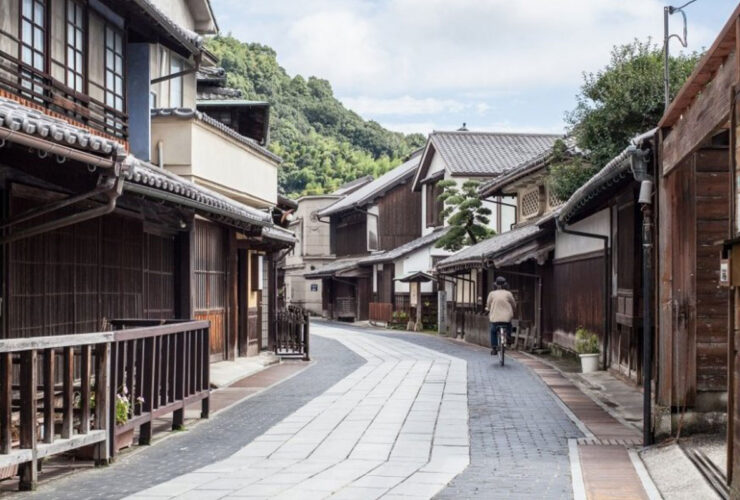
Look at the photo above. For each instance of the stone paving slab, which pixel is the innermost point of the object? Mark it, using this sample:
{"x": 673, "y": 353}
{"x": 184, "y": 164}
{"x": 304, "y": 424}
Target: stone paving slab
{"x": 388, "y": 428}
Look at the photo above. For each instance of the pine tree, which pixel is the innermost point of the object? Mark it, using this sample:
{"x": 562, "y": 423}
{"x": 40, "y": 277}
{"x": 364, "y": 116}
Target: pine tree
{"x": 465, "y": 214}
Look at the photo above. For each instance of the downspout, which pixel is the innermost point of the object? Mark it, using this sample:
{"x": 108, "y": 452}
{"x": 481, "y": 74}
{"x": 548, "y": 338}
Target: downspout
{"x": 160, "y": 154}
{"x": 607, "y": 270}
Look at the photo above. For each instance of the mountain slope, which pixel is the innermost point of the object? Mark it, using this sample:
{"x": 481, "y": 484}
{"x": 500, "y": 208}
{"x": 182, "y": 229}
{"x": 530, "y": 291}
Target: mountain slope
{"x": 323, "y": 144}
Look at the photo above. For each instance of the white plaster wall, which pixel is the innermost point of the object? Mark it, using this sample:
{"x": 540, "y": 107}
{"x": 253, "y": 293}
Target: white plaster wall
{"x": 419, "y": 260}
{"x": 178, "y": 11}
{"x": 569, "y": 245}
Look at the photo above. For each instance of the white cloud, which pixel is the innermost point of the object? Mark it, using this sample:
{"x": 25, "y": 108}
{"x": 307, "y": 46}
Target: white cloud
{"x": 386, "y": 48}
{"x": 407, "y": 105}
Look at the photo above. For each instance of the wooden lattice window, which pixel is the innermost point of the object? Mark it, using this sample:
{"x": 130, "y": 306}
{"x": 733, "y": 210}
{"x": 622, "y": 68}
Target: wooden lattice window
{"x": 530, "y": 203}
{"x": 114, "y": 72}
{"x": 33, "y": 44}
{"x": 75, "y": 40}
{"x": 552, "y": 199}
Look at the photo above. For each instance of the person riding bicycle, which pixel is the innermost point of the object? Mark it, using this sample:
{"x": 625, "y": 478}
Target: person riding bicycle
{"x": 500, "y": 307}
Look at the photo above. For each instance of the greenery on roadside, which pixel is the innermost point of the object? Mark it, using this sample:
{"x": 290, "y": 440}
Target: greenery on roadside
{"x": 465, "y": 214}
{"x": 322, "y": 143}
{"x": 614, "y": 105}
{"x": 587, "y": 342}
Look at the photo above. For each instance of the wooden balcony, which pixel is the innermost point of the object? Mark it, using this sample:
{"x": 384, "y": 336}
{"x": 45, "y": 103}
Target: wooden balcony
{"x": 65, "y": 392}
{"x": 40, "y": 89}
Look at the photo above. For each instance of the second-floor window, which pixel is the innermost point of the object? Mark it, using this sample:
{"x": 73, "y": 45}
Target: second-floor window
{"x": 33, "y": 43}
{"x": 114, "y": 68}
{"x": 434, "y": 205}
{"x": 175, "y": 83}
{"x": 75, "y": 38}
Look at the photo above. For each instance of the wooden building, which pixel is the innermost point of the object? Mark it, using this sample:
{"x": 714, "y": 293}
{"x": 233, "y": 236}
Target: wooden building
{"x": 106, "y": 260}
{"x": 697, "y": 359}
{"x": 364, "y": 222}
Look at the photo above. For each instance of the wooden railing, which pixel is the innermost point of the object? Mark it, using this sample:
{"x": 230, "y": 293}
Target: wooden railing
{"x": 39, "y": 87}
{"x": 292, "y": 332}
{"x": 48, "y": 407}
{"x": 381, "y": 312}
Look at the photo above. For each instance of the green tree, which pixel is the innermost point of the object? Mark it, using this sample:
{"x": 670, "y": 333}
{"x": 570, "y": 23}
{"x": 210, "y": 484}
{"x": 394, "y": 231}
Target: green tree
{"x": 615, "y": 104}
{"x": 465, "y": 214}
{"x": 322, "y": 143}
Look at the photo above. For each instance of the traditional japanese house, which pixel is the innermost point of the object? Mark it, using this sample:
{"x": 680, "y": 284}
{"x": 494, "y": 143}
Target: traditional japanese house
{"x": 697, "y": 348}
{"x": 467, "y": 155}
{"x": 366, "y": 221}
{"x": 95, "y": 239}
{"x": 215, "y": 139}
{"x": 598, "y": 260}
{"x": 312, "y": 249}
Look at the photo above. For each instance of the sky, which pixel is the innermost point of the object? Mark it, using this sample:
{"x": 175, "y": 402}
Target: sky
{"x": 424, "y": 65}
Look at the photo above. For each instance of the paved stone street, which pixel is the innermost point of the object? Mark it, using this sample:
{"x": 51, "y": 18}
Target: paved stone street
{"x": 398, "y": 415}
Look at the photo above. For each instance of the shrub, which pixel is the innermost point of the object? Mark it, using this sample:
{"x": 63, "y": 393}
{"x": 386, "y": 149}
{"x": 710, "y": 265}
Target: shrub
{"x": 587, "y": 342}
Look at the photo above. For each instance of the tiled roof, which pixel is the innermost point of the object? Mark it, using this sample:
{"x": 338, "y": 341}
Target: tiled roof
{"x": 18, "y": 117}
{"x": 488, "y": 153}
{"x": 529, "y": 166}
{"x": 476, "y": 254}
{"x": 367, "y": 193}
{"x": 145, "y": 174}
{"x": 613, "y": 172}
{"x": 279, "y": 233}
{"x": 350, "y": 186}
{"x": 332, "y": 268}
{"x": 190, "y": 39}
{"x": 187, "y": 114}
{"x": 407, "y": 248}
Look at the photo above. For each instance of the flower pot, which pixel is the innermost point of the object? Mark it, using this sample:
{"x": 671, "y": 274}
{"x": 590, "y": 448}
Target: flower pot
{"x": 124, "y": 439}
{"x": 589, "y": 362}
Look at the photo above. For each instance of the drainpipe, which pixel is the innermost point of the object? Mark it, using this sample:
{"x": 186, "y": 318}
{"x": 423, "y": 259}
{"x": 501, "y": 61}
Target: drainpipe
{"x": 113, "y": 193}
{"x": 645, "y": 199}
{"x": 607, "y": 270}
{"x": 160, "y": 154}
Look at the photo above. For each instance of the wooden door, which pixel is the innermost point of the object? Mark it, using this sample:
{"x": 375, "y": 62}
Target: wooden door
{"x": 210, "y": 283}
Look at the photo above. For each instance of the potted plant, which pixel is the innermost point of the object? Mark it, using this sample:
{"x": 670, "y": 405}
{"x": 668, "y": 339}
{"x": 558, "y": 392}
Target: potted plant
{"x": 124, "y": 411}
{"x": 587, "y": 347}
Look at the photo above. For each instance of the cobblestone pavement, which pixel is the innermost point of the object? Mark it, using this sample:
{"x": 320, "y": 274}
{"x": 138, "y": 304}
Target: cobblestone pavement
{"x": 518, "y": 430}
{"x": 211, "y": 441}
{"x": 397, "y": 427}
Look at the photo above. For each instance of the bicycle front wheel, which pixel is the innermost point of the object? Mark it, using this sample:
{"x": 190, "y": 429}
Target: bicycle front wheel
{"x": 501, "y": 346}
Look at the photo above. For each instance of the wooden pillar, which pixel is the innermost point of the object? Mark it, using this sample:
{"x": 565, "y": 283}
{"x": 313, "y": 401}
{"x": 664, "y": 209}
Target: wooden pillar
{"x": 419, "y": 325}
{"x": 272, "y": 302}
{"x": 28, "y": 471}
{"x": 232, "y": 290}
{"x": 102, "y": 403}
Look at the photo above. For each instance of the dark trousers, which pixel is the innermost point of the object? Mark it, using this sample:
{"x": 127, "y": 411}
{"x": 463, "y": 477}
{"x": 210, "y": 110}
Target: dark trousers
{"x": 494, "y": 333}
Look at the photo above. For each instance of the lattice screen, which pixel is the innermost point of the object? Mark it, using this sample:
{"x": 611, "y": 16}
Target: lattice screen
{"x": 530, "y": 204}
{"x": 553, "y": 200}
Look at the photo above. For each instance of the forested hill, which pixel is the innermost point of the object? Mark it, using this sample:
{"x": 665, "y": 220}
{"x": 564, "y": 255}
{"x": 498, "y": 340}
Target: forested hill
{"x": 323, "y": 144}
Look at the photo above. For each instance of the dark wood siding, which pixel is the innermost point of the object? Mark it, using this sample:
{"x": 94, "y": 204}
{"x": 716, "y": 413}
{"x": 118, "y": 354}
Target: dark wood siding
{"x": 399, "y": 217}
{"x": 583, "y": 303}
{"x": 74, "y": 279}
{"x": 350, "y": 234}
{"x": 210, "y": 282}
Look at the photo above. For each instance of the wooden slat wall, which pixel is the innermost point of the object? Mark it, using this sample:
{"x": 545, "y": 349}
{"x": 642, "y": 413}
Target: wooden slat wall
{"x": 399, "y": 217}
{"x": 159, "y": 277}
{"x": 72, "y": 279}
{"x": 350, "y": 234}
{"x": 712, "y": 219}
{"x": 210, "y": 282}
{"x": 583, "y": 304}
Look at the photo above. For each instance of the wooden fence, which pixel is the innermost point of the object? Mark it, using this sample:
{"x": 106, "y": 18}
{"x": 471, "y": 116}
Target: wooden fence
{"x": 381, "y": 312}
{"x": 112, "y": 382}
{"x": 292, "y": 332}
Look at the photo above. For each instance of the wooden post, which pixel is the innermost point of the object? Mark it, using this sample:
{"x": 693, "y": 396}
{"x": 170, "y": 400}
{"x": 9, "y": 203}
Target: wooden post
{"x": 148, "y": 392}
{"x": 306, "y": 335}
{"x": 419, "y": 325}
{"x": 68, "y": 392}
{"x": 48, "y": 396}
{"x": 205, "y": 343}
{"x": 272, "y": 303}
{"x": 28, "y": 471}
{"x": 178, "y": 417}
{"x": 232, "y": 287}
{"x": 85, "y": 390}
{"x": 102, "y": 403}
{"x": 6, "y": 394}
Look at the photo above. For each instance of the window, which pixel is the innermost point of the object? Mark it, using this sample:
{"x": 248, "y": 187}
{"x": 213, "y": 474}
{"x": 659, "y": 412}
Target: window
{"x": 175, "y": 83}
{"x": 75, "y": 42}
{"x": 33, "y": 44}
{"x": 372, "y": 231}
{"x": 114, "y": 72}
{"x": 434, "y": 205}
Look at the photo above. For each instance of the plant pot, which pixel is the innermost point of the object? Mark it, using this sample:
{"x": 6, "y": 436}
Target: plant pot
{"x": 124, "y": 439}
{"x": 589, "y": 362}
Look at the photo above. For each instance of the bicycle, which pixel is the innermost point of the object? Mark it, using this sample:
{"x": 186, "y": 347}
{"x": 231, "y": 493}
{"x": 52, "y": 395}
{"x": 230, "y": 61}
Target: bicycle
{"x": 501, "y": 344}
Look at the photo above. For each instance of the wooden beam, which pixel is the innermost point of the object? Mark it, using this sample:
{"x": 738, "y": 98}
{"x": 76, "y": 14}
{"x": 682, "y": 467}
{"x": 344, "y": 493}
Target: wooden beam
{"x": 710, "y": 110}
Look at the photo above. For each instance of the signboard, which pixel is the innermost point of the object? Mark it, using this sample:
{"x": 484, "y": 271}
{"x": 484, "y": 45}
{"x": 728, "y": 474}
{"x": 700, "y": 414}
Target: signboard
{"x": 314, "y": 287}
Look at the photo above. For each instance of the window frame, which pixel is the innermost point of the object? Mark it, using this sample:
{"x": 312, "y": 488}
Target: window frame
{"x": 434, "y": 207}
{"x": 79, "y": 73}
{"x": 111, "y": 69}
{"x": 178, "y": 82}
{"x": 35, "y": 76}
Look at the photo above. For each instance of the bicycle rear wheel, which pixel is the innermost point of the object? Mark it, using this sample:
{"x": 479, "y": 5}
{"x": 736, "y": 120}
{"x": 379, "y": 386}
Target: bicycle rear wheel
{"x": 501, "y": 345}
